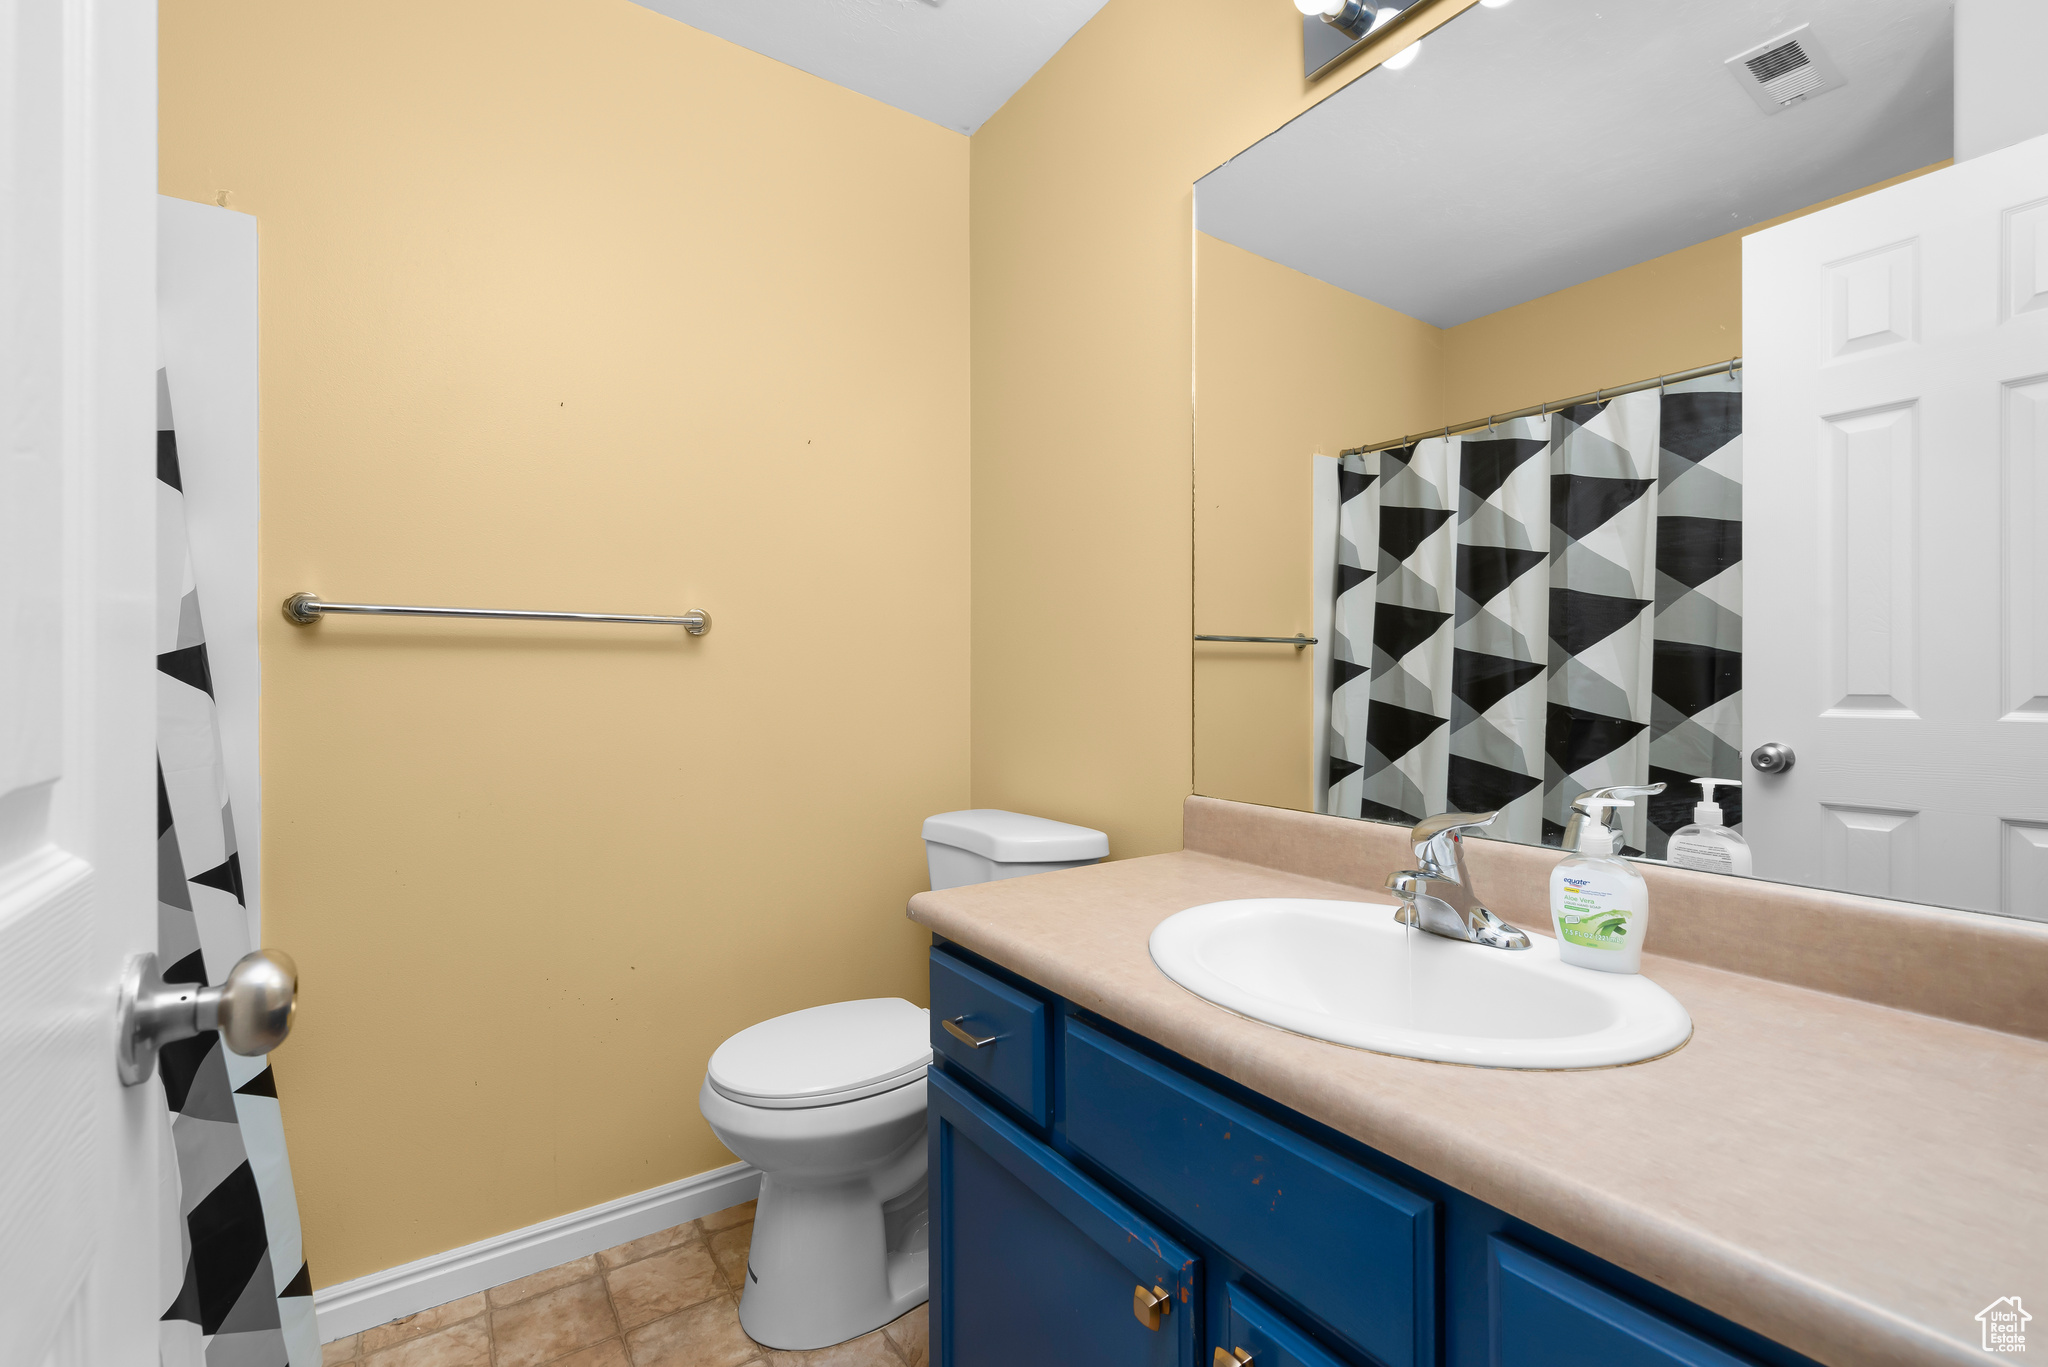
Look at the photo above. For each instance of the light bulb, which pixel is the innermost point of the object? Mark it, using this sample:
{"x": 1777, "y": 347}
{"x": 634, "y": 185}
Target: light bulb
{"x": 1496, "y": 4}
{"x": 1403, "y": 57}
{"x": 1313, "y": 8}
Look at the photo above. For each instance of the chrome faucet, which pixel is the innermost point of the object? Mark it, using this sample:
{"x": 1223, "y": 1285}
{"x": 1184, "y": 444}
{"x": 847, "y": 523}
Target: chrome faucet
{"x": 1575, "y": 826}
{"x": 1438, "y": 897}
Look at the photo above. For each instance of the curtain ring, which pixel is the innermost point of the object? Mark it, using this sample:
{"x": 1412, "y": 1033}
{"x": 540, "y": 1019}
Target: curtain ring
{"x": 1596, "y": 395}
{"x": 1731, "y": 368}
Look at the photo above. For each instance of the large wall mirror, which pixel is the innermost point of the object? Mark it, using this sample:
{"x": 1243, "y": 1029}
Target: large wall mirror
{"x": 1523, "y": 504}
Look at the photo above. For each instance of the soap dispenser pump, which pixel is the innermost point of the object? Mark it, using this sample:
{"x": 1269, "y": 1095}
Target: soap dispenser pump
{"x": 1708, "y": 843}
{"x": 1599, "y": 905}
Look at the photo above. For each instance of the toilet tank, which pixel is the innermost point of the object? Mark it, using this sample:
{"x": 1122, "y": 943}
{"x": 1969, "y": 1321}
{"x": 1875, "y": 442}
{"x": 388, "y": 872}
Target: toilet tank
{"x": 983, "y": 845}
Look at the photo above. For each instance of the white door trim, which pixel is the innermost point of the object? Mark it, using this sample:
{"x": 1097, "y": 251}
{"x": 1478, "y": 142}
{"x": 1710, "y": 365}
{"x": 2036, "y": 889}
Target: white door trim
{"x": 351, "y": 1307}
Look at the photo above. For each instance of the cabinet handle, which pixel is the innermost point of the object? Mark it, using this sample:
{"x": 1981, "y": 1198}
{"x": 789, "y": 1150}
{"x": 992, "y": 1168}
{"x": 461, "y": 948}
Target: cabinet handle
{"x": 968, "y": 1037}
{"x": 1150, "y": 1305}
{"x": 1232, "y": 1357}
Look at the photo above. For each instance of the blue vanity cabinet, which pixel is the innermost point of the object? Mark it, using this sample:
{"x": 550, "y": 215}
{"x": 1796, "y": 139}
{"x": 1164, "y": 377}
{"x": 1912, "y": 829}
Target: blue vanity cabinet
{"x": 1275, "y": 1238}
{"x": 1036, "y": 1264}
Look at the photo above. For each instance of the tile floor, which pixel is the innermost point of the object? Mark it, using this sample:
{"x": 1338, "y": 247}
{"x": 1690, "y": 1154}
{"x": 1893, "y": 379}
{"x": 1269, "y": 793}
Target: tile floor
{"x": 667, "y": 1300}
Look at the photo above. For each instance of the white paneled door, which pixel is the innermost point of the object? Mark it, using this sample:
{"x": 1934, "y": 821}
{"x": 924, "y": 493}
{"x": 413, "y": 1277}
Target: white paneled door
{"x": 82, "y": 1237}
{"x": 1896, "y": 513}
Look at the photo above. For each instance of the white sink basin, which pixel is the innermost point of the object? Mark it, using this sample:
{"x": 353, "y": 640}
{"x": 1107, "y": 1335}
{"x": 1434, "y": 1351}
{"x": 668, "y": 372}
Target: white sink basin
{"x": 1349, "y": 973}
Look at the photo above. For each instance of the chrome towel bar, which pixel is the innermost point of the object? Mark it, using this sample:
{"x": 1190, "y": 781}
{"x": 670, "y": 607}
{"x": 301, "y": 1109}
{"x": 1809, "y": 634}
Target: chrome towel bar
{"x": 1297, "y": 640}
{"x": 304, "y": 609}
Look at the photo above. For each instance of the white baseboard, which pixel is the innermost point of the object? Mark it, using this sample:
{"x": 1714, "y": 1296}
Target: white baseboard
{"x": 396, "y": 1292}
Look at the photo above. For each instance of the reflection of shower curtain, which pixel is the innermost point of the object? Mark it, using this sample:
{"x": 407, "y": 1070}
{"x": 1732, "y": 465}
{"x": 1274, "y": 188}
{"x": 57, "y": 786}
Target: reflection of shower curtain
{"x": 1538, "y": 609}
{"x": 246, "y": 1295}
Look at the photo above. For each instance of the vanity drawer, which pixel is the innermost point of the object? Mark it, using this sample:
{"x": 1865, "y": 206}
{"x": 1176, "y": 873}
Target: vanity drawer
{"x": 1254, "y": 1331}
{"x": 1540, "y": 1315}
{"x": 1358, "y": 1247}
{"x": 1010, "y": 1059}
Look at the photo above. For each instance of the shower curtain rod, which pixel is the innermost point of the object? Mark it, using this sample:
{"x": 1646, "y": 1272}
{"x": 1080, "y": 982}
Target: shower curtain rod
{"x": 1729, "y": 367}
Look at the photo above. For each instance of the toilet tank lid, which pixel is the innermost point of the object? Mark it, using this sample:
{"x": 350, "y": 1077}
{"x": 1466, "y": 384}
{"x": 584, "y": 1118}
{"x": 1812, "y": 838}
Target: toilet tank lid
{"x": 825, "y": 1051}
{"x": 1014, "y": 838}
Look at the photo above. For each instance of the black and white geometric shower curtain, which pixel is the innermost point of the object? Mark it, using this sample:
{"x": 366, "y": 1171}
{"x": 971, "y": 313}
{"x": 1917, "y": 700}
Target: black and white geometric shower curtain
{"x": 1545, "y": 607}
{"x": 245, "y": 1296}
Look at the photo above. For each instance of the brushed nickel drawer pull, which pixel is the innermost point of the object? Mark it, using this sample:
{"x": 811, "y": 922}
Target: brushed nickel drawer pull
{"x": 1150, "y": 1305}
{"x": 968, "y": 1037}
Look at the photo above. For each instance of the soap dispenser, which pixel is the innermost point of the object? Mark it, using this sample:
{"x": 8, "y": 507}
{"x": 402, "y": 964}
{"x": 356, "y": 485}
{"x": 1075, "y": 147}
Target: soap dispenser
{"x": 1599, "y": 905}
{"x": 1708, "y": 843}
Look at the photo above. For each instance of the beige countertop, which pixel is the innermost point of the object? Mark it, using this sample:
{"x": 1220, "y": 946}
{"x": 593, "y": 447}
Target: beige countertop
{"x": 1852, "y": 1180}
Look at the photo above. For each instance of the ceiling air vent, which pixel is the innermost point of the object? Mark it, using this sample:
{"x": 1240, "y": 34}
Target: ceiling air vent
{"x": 1788, "y": 69}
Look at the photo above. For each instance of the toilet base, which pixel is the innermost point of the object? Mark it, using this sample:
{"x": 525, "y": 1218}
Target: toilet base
{"x": 828, "y": 1262}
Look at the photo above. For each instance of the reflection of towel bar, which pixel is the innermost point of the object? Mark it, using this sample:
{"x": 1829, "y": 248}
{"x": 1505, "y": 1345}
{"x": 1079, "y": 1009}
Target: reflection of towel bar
{"x": 1297, "y": 640}
{"x": 303, "y": 609}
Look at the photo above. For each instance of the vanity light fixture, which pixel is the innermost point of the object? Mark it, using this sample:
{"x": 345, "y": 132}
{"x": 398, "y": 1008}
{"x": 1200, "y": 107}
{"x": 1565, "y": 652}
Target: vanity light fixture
{"x": 1332, "y": 28}
{"x": 1352, "y": 18}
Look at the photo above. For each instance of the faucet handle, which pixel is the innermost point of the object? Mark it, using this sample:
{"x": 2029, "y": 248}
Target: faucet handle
{"x": 1625, "y": 790}
{"x": 1435, "y": 826}
{"x": 1436, "y": 841}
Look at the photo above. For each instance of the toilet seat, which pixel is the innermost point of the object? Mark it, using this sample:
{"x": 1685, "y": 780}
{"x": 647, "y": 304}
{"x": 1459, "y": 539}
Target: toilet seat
{"x": 824, "y": 1056}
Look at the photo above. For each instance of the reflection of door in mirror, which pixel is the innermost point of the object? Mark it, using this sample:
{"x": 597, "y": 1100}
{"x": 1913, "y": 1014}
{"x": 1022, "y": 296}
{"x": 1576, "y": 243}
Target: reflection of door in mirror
{"x": 1901, "y": 621}
{"x": 1512, "y": 608}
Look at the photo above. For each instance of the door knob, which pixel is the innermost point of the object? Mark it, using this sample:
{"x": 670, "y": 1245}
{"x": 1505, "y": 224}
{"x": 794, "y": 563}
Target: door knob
{"x": 1151, "y": 1304}
{"x": 252, "y": 1009}
{"x": 1772, "y": 758}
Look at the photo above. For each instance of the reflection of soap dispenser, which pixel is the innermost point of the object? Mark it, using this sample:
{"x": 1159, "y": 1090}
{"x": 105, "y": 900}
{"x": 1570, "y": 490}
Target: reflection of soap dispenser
{"x": 1599, "y": 906}
{"x": 1707, "y": 843}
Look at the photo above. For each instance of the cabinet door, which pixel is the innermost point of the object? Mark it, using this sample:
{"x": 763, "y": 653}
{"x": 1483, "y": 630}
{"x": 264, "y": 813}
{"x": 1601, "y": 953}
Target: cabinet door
{"x": 1355, "y": 1249}
{"x": 1035, "y": 1265}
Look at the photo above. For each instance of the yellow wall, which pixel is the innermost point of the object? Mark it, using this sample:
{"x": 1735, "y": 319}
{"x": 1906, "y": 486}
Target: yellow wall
{"x": 1285, "y": 366}
{"x": 1083, "y": 241}
{"x": 566, "y": 304}
{"x": 1670, "y": 313}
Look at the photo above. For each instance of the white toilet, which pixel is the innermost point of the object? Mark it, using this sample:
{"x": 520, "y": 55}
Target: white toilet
{"x": 829, "y": 1104}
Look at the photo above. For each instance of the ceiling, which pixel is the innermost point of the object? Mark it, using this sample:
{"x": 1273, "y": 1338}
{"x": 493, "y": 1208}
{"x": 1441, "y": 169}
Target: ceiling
{"x": 1529, "y": 148}
{"x": 951, "y": 61}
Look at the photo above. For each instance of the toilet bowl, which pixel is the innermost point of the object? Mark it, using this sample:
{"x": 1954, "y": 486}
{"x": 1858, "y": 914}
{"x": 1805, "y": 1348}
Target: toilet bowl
{"x": 829, "y": 1104}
